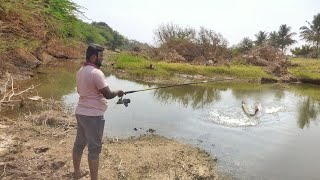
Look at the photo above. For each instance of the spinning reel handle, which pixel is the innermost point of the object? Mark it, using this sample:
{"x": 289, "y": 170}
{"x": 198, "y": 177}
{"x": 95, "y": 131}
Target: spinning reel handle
{"x": 124, "y": 101}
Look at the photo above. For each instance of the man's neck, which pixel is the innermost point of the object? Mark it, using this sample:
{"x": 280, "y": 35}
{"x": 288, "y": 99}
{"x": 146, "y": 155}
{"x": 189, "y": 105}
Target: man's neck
{"x": 90, "y": 64}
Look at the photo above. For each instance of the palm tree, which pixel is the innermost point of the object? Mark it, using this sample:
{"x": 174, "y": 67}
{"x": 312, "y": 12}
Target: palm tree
{"x": 285, "y": 37}
{"x": 274, "y": 39}
{"x": 261, "y": 38}
{"x": 312, "y": 33}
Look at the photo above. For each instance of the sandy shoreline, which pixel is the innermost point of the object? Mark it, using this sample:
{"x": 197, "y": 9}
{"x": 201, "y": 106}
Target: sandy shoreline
{"x": 38, "y": 146}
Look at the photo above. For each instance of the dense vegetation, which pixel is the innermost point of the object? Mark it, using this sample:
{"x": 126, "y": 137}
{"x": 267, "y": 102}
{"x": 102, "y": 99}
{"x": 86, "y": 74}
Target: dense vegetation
{"x": 41, "y": 31}
{"x": 52, "y": 18}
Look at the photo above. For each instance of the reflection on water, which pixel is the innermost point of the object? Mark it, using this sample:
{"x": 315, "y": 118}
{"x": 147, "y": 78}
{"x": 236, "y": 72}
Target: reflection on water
{"x": 194, "y": 96}
{"x": 54, "y": 82}
{"x": 50, "y": 83}
{"x": 308, "y": 111}
{"x": 309, "y": 108}
{"x": 307, "y": 90}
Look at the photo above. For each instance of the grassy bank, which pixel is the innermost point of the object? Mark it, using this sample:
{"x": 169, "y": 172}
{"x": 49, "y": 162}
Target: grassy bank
{"x": 306, "y": 68}
{"x": 34, "y": 33}
{"x": 139, "y": 68}
{"x": 43, "y": 20}
{"x": 135, "y": 67}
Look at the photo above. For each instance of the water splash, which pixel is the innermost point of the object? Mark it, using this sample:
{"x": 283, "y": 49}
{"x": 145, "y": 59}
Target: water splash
{"x": 274, "y": 109}
{"x": 256, "y": 110}
{"x": 232, "y": 118}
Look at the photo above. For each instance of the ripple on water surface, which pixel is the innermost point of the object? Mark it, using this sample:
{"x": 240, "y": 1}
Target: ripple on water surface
{"x": 235, "y": 117}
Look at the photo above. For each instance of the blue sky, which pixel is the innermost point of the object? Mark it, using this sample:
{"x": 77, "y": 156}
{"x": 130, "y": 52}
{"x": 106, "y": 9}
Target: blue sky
{"x": 234, "y": 19}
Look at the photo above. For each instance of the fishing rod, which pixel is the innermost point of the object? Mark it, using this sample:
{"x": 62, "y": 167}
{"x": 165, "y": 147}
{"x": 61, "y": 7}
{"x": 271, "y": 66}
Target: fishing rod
{"x": 175, "y": 85}
{"x": 127, "y": 101}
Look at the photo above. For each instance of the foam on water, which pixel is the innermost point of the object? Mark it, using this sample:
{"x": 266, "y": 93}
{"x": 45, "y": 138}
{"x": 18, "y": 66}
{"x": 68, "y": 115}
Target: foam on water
{"x": 235, "y": 117}
{"x": 232, "y": 118}
{"x": 273, "y": 109}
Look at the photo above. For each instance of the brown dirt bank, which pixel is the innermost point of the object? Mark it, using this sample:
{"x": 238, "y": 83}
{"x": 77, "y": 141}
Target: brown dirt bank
{"x": 23, "y": 63}
{"x": 38, "y": 146}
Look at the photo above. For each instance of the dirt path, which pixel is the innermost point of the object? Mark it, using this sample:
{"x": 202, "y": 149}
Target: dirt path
{"x": 39, "y": 147}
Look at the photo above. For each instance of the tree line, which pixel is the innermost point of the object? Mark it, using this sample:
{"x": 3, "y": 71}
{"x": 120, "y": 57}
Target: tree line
{"x": 283, "y": 38}
{"x": 210, "y": 42}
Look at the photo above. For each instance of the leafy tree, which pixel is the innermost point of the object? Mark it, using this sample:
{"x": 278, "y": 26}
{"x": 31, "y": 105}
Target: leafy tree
{"x": 234, "y": 50}
{"x": 104, "y": 30}
{"x": 133, "y": 45}
{"x": 112, "y": 38}
{"x": 304, "y": 51}
{"x": 312, "y": 33}
{"x": 212, "y": 44}
{"x": 245, "y": 45}
{"x": 171, "y": 32}
{"x": 102, "y": 24}
{"x": 61, "y": 16}
{"x": 285, "y": 37}
{"x": 210, "y": 37}
{"x": 261, "y": 38}
{"x": 117, "y": 41}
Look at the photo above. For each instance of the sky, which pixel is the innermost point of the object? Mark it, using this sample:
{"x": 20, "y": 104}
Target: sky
{"x": 234, "y": 19}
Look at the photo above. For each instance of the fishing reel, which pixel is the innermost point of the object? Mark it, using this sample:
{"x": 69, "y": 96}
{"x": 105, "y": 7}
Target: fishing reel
{"x": 124, "y": 101}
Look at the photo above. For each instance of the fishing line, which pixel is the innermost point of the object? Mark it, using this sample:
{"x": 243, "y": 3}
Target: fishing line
{"x": 126, "y": 101}
{"x": 175, "y": 85}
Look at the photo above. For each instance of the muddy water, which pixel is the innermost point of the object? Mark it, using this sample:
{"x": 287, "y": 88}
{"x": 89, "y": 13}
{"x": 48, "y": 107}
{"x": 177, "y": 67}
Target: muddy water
{"x": 281, "y": 143}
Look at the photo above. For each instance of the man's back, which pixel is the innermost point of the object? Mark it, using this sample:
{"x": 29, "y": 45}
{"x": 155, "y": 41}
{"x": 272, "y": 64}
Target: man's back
{"x": 89, "y": 81}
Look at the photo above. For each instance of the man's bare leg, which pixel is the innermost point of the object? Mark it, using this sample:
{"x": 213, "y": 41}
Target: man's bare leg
{"x": 76, "y": 164}
{"x": 94, "y": 166}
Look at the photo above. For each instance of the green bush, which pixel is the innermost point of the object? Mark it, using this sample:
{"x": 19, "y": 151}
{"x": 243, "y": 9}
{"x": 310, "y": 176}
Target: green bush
{"x": 53, "y": 19}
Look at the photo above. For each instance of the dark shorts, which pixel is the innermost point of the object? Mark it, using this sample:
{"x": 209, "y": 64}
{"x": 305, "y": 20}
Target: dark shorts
{"x": 89, "y": 132}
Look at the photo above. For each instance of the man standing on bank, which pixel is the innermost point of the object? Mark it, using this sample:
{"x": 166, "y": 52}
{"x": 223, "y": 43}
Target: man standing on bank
{"x": 94, "y": 92}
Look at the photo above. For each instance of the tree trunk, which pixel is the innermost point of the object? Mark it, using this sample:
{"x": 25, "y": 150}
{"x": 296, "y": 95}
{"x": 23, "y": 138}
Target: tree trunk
{"x": 317, "y": 50}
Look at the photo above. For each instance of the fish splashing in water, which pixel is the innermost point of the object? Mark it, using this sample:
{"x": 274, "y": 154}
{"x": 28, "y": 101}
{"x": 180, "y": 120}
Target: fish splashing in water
{"x": 257, "y": 109}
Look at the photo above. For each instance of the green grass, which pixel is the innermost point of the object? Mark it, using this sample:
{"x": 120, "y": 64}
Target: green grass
{"x": 139, "y": 66}
{"x": 306, "y": 68}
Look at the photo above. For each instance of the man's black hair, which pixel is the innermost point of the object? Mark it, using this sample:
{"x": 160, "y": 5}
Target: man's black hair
{"x": 93, "y": 49}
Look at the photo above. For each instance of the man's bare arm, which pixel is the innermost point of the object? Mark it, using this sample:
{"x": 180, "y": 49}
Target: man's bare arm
{"x": 108, "y": 94}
